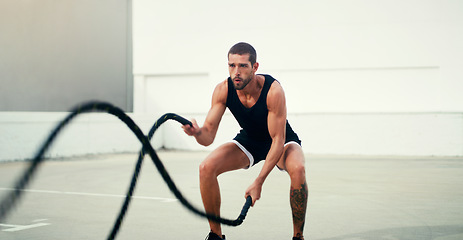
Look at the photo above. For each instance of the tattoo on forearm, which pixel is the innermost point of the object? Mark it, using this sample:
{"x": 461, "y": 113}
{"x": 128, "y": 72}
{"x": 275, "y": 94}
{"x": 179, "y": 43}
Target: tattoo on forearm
{"x": 298, "y": 199}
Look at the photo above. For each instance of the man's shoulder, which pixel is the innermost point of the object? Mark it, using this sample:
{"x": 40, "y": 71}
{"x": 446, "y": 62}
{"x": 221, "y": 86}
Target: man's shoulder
{"x": 222, "y": 86}
{"x": 221, "y": 92}
{"x": 275, "y": 92}
{"x": 267, "y": 76}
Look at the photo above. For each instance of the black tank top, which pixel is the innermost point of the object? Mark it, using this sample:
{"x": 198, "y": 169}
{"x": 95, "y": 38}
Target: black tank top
{"x": 253, "y": 120}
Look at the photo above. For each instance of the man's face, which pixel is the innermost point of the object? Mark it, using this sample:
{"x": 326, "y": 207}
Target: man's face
{"x": 240, "y": 69}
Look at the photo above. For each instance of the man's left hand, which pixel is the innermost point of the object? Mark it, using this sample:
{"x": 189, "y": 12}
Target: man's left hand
{"x": 254, "y": 190}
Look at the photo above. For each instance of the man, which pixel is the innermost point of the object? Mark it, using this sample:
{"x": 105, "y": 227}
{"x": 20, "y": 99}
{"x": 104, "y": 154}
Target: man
{"x": 258, "y": 104}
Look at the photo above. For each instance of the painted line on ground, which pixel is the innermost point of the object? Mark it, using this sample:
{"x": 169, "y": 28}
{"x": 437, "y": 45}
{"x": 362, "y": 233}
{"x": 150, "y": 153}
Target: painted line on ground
{"x": 16, "y": 227}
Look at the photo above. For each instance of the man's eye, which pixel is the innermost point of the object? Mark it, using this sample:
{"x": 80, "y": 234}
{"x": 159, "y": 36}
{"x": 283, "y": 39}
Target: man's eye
{"x": 231, "y": 65}
{"x": 243, "y": 65}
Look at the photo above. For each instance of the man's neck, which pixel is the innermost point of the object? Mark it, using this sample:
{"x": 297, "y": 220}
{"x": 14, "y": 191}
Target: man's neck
{"x": 254, "y": 87}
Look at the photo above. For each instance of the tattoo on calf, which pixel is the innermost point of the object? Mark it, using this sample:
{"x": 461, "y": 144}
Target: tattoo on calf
{"x": 298, "y": 199}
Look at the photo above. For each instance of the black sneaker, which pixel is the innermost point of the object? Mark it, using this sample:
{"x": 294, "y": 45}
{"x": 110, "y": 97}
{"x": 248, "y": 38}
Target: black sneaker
{"x": 213, "y": 236}
{"x": 296, "y": 238}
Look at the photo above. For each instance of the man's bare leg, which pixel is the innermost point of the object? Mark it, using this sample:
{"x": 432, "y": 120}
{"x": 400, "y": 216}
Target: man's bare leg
{"x": 225, "y": 158}
{"x": 293, "y": 162}
{"x": 298, "y": 199}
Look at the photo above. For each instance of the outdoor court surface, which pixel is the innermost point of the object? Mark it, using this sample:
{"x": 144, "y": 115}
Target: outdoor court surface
{"x": 350, "y": 198}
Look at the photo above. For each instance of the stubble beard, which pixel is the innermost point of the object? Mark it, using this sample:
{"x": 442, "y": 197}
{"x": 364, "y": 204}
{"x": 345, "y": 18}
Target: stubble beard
{"x": 242, "y": 84}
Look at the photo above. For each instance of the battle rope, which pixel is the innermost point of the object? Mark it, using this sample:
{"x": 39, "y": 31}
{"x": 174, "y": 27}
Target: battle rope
{"x": 8, "y": 202}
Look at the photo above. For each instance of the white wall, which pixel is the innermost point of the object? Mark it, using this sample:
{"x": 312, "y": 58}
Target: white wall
{"x": 431, "y": 134}
{"x": 331, "y": 43}
{"x": 360, "y": 76}
{"x": 23, "y": 133}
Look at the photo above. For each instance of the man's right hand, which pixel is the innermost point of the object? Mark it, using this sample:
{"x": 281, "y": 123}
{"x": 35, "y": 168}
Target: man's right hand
{"x": 194, "y": 130}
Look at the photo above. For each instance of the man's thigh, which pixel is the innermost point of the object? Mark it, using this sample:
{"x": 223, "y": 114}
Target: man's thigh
{"x": 227, "y": 157}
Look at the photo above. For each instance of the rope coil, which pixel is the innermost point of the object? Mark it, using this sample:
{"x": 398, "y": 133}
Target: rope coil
{"x": 10, "y": 200}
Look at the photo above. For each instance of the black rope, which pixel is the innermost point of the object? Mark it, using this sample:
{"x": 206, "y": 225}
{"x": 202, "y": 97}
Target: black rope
{"x": 10, "y": 200}
{"x": 136, "y": 172}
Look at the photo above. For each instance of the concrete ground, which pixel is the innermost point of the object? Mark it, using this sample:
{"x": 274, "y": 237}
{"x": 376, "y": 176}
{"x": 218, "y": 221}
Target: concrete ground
{"x": 351, "y": 198}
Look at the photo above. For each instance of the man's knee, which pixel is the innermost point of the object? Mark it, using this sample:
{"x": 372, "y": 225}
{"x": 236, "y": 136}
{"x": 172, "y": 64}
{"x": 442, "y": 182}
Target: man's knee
{"x": 296, "y": 171}
{"x": 207, "y": 169}
{"x": 295, "y": 162}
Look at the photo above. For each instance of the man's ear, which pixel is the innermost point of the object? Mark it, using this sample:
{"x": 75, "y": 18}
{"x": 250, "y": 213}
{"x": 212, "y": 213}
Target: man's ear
{"x": 255, "y": 66}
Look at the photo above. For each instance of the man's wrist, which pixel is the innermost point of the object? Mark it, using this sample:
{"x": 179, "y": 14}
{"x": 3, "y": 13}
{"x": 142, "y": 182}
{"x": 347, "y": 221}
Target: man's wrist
{"x": 260, "y": 180}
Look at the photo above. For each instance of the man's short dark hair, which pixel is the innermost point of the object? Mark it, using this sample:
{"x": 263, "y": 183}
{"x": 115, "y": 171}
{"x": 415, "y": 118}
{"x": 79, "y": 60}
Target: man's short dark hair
{"x": 244, "y": 48}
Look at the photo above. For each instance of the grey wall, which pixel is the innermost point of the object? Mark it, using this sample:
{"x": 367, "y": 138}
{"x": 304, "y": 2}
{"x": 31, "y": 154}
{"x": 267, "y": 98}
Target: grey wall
{"x": 55, "y": 54}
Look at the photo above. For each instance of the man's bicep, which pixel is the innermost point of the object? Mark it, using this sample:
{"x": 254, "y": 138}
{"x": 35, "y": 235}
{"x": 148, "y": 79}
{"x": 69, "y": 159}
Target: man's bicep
{"x": 276, "y": 125}
{"x": 277, "y": 113}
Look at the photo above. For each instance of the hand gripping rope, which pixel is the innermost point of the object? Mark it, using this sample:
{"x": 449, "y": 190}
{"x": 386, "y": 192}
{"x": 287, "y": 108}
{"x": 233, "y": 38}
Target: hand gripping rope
{"x": 8, "y": 202}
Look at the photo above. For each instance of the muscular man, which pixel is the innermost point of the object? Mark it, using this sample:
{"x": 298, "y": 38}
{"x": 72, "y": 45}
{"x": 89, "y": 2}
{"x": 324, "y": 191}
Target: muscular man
{"x": 258, "y": 104}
